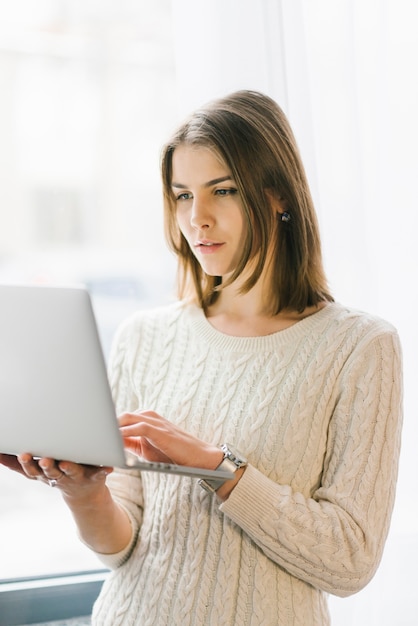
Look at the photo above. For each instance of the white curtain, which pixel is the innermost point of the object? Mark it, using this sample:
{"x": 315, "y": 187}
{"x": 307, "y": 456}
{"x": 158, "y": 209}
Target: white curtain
{"x": 345, "y": 72}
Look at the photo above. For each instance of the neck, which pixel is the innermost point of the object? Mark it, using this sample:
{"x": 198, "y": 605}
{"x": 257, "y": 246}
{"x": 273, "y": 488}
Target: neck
{"x": 242, "y": 315}
{"x": 246, "y": 314}
{"x": 234, "y": 303}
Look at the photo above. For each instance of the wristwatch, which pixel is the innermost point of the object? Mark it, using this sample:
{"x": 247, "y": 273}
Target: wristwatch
{"x": 231, "y": 462}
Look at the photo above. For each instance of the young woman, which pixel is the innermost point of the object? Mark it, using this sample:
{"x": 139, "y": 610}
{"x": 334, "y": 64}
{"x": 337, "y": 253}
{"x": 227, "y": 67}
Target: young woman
{"x": 256, "y": 368}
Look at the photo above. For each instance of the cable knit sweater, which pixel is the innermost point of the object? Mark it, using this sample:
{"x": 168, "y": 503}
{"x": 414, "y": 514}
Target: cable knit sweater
{"x": 316, "y": 409}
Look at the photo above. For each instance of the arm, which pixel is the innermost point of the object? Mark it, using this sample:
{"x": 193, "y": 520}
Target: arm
{"x": 102, "y": 523}
{"x": 107, "y": 522}
{"x": 334, "y": 537}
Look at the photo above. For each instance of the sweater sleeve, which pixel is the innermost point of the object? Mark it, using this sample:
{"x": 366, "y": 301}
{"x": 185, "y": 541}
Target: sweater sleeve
{"x": 125, "y": 485}
{"x": 334, "y": 539}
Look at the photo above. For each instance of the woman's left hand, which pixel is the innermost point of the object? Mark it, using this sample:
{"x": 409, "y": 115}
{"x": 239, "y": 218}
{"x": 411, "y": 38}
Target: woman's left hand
{"x": 154, "y": 438}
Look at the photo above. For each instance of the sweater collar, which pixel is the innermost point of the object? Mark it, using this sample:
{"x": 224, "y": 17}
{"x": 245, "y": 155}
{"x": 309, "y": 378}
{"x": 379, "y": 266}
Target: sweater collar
{"x": 315, "y": 323}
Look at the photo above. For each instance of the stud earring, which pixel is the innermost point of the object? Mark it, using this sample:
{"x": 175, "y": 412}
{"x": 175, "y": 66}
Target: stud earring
{"x": 285, "y": 216}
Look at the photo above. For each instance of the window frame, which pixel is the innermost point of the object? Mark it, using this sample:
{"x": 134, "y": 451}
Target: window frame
{"x": 49, "y": 598}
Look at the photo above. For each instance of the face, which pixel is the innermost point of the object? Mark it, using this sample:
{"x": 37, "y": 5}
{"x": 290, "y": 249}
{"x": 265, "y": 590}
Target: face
{"x": 208, "y": 208}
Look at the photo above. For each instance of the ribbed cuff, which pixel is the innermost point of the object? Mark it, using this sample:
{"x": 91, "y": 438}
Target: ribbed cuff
{"x": 246, "y": 504}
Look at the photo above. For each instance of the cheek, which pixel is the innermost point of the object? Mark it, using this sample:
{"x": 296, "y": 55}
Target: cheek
{"x": 181, "y": 221}
{"x": 242, "y": 226}
{"x": 183, "y": 225}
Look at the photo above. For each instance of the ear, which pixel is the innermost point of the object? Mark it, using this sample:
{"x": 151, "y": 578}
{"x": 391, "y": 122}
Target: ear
{"x": 277, "y": 203}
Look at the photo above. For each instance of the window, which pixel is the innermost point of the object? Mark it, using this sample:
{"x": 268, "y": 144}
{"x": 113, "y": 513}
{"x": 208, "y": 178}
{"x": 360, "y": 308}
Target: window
{"x": 87, "y": 99}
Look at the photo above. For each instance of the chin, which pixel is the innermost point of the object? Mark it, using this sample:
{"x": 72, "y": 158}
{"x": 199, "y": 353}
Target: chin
{"x": 220, "y": 273}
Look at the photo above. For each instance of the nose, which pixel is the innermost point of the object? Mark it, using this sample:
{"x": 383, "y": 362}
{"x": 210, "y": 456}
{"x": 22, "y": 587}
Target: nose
{"x": 200, "y": 217}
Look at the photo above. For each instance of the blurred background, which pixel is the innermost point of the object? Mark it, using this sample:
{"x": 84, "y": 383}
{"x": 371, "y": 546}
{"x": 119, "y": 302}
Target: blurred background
{"x": 90, "y": 90}
{"x": 86, "y": 99}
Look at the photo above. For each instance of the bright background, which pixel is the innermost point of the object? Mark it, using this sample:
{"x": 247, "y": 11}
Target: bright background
{"x": 88, "y": 92}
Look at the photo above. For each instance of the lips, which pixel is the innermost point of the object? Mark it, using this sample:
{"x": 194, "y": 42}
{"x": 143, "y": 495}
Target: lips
{"x": 207, "y": 243}
{"x": 206, "y": 246}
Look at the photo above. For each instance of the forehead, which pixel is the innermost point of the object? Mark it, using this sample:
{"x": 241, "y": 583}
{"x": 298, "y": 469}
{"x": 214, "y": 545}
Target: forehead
{"x": 196, "y": 164}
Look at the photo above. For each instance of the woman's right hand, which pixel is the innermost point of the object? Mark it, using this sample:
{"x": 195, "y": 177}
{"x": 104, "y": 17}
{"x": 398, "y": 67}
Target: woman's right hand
{"x": 75, "y": 481}
{"x": 102, "y": 523}
{"x": 11, "y": 461}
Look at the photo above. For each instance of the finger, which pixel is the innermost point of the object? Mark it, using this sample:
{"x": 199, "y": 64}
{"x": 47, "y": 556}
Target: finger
{"x": 144, "y": 435}
{"x": 143, "y": 448}
{"x": 133, "y": 444}
{"x": 11, "y": 462}
{"x": 151, "y": 417}
{"x": 29, "y": 466}
{"x": 137, "y": 429}
{"x": 51, "y": 471}
{"x": 76, "y": 472}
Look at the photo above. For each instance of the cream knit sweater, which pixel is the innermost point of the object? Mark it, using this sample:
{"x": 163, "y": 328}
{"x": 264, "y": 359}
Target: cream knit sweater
{"x": 316, "y": 409}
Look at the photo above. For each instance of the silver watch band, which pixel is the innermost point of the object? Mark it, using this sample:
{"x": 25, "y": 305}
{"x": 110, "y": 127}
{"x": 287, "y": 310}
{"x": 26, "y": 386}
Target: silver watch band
{"x": 231, "y": 462}
{"x": 212, "y": 484}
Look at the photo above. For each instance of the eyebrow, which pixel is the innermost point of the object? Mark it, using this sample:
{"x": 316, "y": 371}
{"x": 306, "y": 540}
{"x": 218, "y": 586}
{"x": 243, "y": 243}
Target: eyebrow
{"x": 210, "y": 183}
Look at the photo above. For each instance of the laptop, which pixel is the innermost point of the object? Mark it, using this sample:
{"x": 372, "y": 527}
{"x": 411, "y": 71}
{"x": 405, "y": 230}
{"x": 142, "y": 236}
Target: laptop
{"x": 55, "y": 398}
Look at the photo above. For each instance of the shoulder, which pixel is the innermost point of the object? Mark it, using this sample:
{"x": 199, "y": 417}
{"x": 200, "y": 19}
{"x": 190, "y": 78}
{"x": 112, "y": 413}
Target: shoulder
{"x": 156, "y": 321}
{"x": 148, "y": 318}
{"x": 144, "y": 331}
{"x": 356, "y": 332}
{"x": 359, "y": 322}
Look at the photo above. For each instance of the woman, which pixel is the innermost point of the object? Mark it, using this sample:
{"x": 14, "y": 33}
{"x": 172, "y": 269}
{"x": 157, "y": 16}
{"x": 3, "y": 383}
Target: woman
{"x": 303, "y": 395}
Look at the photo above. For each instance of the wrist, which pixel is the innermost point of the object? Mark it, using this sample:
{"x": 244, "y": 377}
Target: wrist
{"x": 225, "y": 490}
{"x": 215, "y": 458}
{"x": 97, "y": 498}
{"x": 232, "y": 461}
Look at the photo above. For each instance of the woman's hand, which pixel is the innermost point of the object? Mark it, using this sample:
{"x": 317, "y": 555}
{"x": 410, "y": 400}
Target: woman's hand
{"x": 102, "y": 523}
{"x": 74, "y": 480}
{"x": 152, "y": 437}
{"x": 11, "y": 461}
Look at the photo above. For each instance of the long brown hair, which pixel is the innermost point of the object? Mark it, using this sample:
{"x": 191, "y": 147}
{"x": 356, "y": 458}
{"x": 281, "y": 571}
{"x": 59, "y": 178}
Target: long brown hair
{"x": 251, "y": 134}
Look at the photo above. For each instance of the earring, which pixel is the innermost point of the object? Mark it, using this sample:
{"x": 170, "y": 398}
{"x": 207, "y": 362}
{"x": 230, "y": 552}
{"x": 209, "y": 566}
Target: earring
{"x": 285, "y": 216}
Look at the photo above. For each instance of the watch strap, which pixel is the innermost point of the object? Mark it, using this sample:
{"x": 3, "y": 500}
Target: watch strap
{"x": 231, "y": 462}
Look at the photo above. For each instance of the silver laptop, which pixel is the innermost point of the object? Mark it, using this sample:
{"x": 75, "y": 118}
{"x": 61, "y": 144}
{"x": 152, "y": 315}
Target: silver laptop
{"x": 55, "y": 399}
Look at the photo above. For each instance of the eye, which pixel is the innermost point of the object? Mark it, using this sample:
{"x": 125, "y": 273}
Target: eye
{"x": 230, "y": 191}
{"x": 184, "y": 196}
